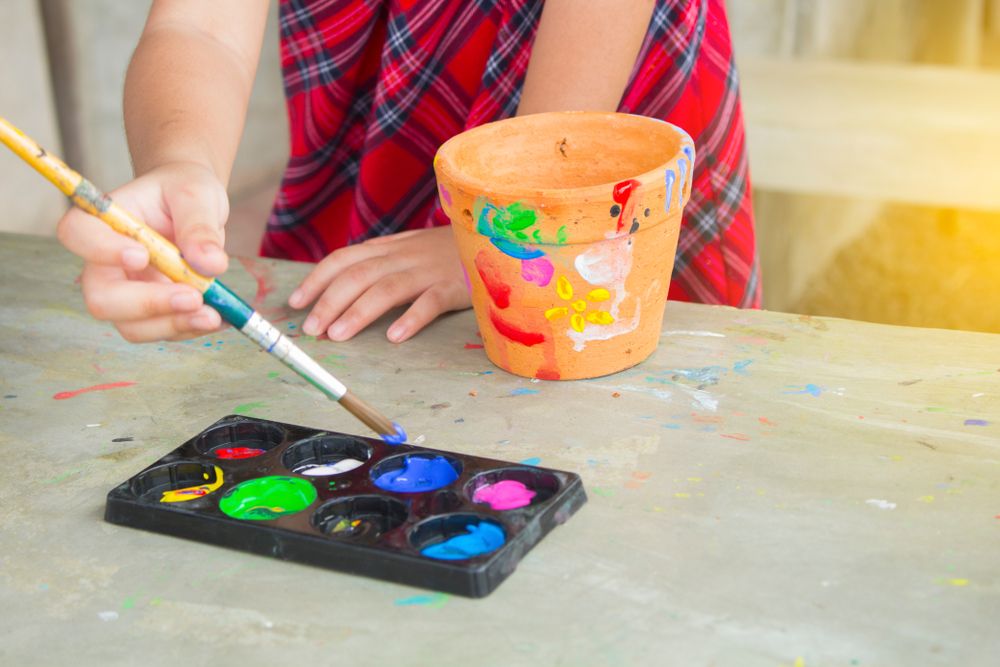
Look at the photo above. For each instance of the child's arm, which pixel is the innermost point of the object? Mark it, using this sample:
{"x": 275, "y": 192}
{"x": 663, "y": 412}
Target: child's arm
{"x": 583, "y": 55}
{"x": 186, "y": 94}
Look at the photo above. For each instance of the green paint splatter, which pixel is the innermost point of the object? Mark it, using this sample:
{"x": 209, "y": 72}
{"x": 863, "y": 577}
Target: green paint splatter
{"x": 128, "y": 603}
{"x": 247, "y": 408}
{"x": 273, "y": 374}
{"x": 561, "y": 235}
{"x": 334, "y": 360}
{"x": 607, "y": 493}
{"x": 935, "y": 409}
{"x": 433, "y": 600}
{"x": 65, "y": 475}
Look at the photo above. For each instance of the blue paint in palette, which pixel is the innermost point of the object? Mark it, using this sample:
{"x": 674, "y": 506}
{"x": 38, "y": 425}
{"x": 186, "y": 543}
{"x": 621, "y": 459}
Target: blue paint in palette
{"x": 419, "y": 473}
{"x": 481, "y": 539}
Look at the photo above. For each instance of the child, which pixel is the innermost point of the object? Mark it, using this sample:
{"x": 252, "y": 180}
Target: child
{"x": 373, "y": 88}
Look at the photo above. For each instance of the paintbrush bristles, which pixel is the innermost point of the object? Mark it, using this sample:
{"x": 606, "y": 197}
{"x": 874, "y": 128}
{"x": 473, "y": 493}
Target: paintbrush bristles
{"x": 371, "y": 417}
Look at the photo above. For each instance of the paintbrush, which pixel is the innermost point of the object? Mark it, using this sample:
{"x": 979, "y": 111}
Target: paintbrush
{"x": 166, "y": 257}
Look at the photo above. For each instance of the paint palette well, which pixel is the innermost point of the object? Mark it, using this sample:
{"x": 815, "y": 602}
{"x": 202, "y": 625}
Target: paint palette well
{"x": 412, "y": 515}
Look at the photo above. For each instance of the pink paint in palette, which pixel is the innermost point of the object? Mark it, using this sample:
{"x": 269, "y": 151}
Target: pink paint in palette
{"x": 506, "y": 494}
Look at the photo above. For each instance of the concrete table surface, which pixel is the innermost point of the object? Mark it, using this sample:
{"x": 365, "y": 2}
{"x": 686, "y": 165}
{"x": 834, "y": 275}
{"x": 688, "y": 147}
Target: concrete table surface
{"x": 767, "y": 489}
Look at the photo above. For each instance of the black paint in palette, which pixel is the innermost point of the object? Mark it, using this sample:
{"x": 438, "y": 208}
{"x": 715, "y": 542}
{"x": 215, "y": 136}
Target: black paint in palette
{"x": 428, "y": 518}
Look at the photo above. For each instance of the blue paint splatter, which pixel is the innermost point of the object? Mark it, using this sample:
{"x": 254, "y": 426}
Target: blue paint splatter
{"x": 523, "y": 392}
{"x": 431, "y": 600}
{"x": 516, "y": 250}
{"x": 419, "y": 473}
{"x": 741, "y": 366}
{"x": 689, "y": 151}
{"x": 481, "y": 539}
{"x": 672, "y": 426}
{"x": 976, "y": 422}
{"x": 395, "y": 439}
{"x": 670, "y": 177}
{"x": 811, "y": 389}
{"x": 532, "y": 461}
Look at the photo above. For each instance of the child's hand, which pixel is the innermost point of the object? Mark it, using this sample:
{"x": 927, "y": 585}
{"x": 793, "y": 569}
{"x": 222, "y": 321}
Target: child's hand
{"x": 357, "y": 284}
{"x": 189, "y": 206}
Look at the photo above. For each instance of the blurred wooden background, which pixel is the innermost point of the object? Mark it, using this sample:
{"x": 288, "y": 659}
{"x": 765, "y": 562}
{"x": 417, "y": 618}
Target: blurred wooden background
{"x": 872, "y": 125}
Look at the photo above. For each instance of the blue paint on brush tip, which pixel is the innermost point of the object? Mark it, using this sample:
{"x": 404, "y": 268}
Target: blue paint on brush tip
{"x": 395, "y": 439}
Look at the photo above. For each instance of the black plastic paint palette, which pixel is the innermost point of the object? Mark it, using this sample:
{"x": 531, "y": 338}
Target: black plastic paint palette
{"x": 407, "y": 514}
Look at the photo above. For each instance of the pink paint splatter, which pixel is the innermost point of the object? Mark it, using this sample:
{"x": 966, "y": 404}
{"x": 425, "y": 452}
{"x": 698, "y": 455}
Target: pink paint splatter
{"x": 265, "y": 280}
{"x": 473, "y": 346}
{"x": 735, "y": 436}
{"x": 506, "y": 494}
{"x": 538, "y": 270}
{"x": 63, "y": 395}
{"x": 445, "y": 196}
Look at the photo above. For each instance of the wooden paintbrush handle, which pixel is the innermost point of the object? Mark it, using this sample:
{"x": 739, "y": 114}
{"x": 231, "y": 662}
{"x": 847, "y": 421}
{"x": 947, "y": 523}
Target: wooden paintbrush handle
{"x": 163, "y": 254}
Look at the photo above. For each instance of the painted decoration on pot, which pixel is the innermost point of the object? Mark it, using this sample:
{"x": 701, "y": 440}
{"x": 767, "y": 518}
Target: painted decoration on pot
{"x": 567, "y": 225}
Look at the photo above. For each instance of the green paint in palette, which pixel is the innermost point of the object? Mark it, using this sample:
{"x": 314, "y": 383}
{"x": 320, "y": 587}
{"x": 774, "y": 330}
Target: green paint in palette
{"x": 268, "y": 498}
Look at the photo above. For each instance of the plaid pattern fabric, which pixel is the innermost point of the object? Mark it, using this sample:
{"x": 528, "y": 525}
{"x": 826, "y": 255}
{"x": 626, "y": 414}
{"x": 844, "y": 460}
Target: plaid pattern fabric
{"x": 375, "y": 86}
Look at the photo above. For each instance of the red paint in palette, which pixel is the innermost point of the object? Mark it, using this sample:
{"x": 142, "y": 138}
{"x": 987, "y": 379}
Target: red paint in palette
{"x": 237, "y": 452}
{"x": 514, "y": 333}
{"x": 620, "y": 194}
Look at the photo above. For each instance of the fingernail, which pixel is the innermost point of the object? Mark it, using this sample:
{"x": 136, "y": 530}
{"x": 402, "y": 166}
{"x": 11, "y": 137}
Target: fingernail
{"x": 203, "y": 321}
{"x": 184, "y": 301}
{"x": 311, "y": 326}
{"x": 336, "y": 330}
{"x": 295, "y": 300}
{"x": 396, "y": 332}
{"x": 134, "y": 256}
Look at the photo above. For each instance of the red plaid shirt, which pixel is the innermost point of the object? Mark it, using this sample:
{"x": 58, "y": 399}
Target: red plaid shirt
{"x": 375, "y": 86}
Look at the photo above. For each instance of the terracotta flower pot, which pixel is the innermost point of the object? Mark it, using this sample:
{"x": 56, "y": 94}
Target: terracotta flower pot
{"x": 567, "y": 227}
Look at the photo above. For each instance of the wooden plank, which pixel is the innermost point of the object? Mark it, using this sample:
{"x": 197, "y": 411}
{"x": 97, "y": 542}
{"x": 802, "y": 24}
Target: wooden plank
{"x": 919, "y": 134}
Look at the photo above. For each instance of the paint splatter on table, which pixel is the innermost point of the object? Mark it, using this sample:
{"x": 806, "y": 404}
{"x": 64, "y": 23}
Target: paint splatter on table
{"x": 766, "y": 486}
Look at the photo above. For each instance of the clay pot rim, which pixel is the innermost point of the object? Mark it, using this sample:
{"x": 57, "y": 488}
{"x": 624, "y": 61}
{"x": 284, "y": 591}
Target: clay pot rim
{"x": 444, "y": 162}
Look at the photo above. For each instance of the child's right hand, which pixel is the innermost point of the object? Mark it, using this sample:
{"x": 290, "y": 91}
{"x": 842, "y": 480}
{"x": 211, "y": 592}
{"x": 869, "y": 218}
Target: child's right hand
{"x": 188, "y": 205}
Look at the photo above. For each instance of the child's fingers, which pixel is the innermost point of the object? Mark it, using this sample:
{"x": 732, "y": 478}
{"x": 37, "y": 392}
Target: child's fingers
{"x": 89, "y": 238}
{"x": 199, "y": 211}
{"x": 441, "y": 297}
{"x": 327, "y": 270}
{"x": 388, "y": 292}
{"x": 109, "y": 296}
{"x": 342, "y": 291}
{"x": 171, "y": 327}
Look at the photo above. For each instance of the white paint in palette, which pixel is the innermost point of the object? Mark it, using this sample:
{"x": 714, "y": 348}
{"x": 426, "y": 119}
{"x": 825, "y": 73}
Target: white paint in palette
{"x": 881, "y": 504}
{"x": 606, "y": 264}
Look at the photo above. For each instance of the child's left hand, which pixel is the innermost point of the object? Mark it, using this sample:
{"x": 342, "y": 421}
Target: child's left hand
{"x": 358, "y": 284}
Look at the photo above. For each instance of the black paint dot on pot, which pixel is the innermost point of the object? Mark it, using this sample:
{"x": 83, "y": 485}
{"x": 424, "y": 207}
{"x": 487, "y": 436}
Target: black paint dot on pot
{"x": 635, "y": 227}
{"x": 615, "y": 210}
{"x": 646, "y": 212}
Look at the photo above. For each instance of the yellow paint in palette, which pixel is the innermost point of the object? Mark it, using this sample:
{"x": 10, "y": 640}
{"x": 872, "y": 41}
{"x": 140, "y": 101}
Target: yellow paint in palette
{"x": 192, "y": 492}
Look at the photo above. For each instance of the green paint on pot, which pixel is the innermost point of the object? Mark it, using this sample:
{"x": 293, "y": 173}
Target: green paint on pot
{"x": 267, "y": 498}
